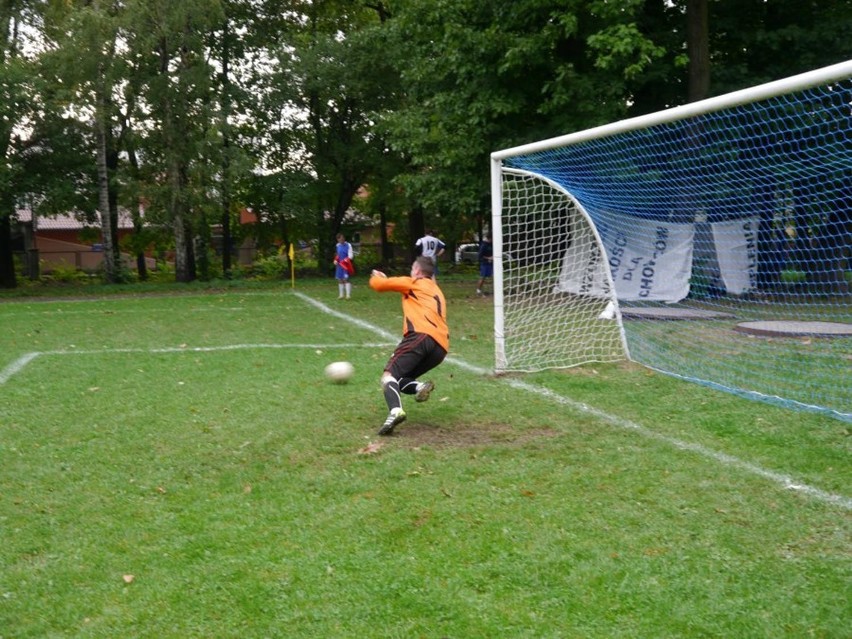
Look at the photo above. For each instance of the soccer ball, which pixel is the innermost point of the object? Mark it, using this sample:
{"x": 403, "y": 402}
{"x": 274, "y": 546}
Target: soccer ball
{"x": 339, "y": 372}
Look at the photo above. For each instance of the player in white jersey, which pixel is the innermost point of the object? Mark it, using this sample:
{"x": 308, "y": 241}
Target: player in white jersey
{"x": 430, "y": 246}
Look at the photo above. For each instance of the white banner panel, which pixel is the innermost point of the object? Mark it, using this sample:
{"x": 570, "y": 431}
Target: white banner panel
{"x": 736, "y": 252}
{"x": 651, "y": 260}
{"x": 583, "y": 268}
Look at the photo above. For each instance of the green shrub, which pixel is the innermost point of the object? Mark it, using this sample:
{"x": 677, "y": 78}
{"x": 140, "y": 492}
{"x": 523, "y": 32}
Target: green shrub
{"x": 66, "y": 274}
{"x": 368, "y": 257}
{"x": 272, "y": 267}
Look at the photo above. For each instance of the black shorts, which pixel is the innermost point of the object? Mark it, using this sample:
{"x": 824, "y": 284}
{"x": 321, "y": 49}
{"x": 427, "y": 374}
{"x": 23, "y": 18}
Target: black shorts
{"x": 415, "y": 355}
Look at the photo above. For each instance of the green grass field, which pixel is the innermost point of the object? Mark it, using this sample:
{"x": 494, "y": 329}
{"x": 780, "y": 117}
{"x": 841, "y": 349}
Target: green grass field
{"x": 174, "y": 464}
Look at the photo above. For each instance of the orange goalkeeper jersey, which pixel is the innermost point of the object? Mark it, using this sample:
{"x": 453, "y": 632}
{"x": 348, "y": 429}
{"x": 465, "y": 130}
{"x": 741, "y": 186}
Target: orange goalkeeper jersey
{"x": 424, "y": 309}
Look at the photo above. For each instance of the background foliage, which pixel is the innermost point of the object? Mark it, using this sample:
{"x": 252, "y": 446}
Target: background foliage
{"x": 203, "y": 108}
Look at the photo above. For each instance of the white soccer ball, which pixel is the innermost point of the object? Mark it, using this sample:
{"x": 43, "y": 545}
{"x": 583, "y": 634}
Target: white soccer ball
{"x": 608, "y": 313}
{"x": 339, "y": 372}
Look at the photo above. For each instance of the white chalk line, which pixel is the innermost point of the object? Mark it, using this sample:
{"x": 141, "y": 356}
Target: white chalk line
{"x": 19, "y": 364}
{"x": 785, "y": 481}
{"x": 213, "y": 349}
{"x": 16, "y": 367}
{"x": 60, "y": 312}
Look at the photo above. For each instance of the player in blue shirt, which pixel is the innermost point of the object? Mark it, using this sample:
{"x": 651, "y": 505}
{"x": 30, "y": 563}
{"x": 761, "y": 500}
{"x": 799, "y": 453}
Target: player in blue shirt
{"x": 486, "y": 262}
{"x": 343, "y": 266}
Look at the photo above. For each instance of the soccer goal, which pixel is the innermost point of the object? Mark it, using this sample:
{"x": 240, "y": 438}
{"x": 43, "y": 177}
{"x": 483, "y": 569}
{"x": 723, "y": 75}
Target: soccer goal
{"x": 709, "y": 241}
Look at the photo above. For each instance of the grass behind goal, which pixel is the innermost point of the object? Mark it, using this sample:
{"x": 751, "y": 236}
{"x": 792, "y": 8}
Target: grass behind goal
{"x": 176, "y": 466}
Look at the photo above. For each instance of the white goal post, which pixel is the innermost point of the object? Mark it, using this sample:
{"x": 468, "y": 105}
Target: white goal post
{"x": 728, "y": 211}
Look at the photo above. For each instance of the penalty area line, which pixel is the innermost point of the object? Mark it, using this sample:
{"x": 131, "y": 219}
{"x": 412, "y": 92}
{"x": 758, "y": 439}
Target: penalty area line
{"x": 19, "y": 364}
{"x": 214, "y": 349}
{"x": 16, "y": 367}
{"x": 784, "y": 481}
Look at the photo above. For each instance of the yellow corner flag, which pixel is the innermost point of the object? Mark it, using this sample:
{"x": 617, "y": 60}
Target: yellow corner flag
{"x": 292, "y": 255}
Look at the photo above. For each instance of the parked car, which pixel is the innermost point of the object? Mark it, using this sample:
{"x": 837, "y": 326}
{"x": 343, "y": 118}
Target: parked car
{"x": 467, "y": 253}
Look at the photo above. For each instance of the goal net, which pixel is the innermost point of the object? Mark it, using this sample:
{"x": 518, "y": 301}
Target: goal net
{"x": 710, "y": 241}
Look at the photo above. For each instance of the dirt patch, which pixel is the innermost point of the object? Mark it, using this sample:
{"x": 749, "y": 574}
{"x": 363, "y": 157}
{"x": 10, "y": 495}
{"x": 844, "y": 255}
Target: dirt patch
{"x": 466, "y": 435}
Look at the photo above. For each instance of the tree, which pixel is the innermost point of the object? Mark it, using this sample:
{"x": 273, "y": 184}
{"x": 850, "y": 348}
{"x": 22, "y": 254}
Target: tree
{"x": 325, "y": 91}
{"x": 479, "y": 76}
{"x": 170, "y": 38}
{"x": 250, "y": 29}
{"x": 16, "y": 19}
{"x": 83, "y": 68}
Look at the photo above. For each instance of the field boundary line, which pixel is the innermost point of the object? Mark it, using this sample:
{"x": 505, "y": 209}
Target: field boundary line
{"x": 212, "y": 349}
{"x": 17, "y": 366}
{"x": 785, "y": 481}
{"x": 21, "y": 363}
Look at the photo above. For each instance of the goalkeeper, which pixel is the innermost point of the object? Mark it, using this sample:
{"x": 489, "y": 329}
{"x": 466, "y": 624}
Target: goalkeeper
{"x": 425, "y": 340}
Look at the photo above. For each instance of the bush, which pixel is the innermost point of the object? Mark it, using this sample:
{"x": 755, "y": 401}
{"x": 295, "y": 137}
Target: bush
{"x": 367, "y": 259}
{"x": 272, "y": 267}
{"x": 66, "y": 275}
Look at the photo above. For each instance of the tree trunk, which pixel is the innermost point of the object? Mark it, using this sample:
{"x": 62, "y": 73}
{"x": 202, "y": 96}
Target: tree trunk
{"x": 227, "y": 242}
{"x": 141, "y": 264}
{"x": 387, "y": 249}
{"x": 136, "y": 213}
{"x": 184, "y": 268}
{"x": 698, "y": 50}
{"x": 7, "y": 261}
{"x": 112, "y": 169}
{"x": 226, "y": 149}
{"x": 181, "y": 252}
{"x": 110, "y": 272}
{"x": 416, "y": 229}
{"x": 201, "y": 242}
{"x": 770, "y": 245}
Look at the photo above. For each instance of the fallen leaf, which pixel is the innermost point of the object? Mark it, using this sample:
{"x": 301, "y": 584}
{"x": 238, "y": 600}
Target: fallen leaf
{"x": 371, "y": 448}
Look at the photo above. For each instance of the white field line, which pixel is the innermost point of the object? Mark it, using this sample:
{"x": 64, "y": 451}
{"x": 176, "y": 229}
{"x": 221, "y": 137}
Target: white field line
{"x": 213, "y": 349}
{"x": 786, "y": 482}
{"x": 17, "y": 366}
{"x": 63, "y": 312}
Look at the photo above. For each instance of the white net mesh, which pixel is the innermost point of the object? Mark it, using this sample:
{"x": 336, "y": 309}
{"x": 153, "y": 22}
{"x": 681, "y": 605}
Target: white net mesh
{"x": 731, "y": 218}
{"x": 554, "y": 307}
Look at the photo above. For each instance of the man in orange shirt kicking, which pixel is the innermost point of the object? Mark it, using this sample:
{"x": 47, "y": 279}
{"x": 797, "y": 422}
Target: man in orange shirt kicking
{"x": 425, "y": 341}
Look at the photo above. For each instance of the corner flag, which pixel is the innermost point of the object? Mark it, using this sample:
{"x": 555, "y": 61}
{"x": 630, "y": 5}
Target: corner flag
{"x": 292, "y": 255}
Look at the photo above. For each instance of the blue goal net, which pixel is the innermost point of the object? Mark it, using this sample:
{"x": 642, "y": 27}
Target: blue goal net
{"x": 710, "y": 241}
